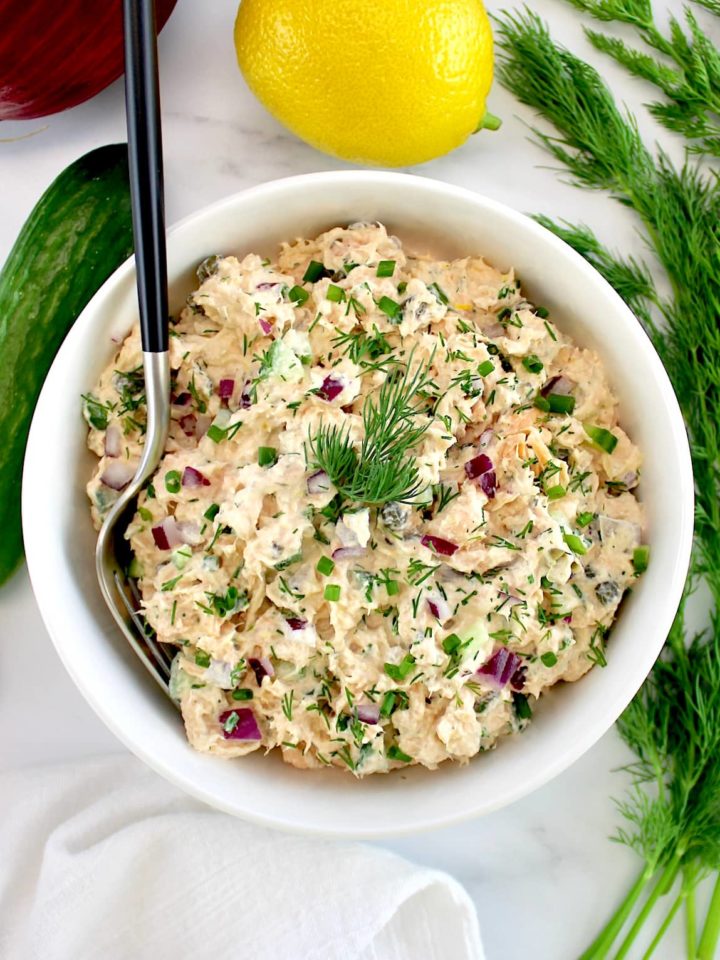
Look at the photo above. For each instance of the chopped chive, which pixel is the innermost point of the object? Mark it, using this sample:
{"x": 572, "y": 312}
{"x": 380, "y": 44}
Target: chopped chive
{"x": 399, "y": 671}
{"x": 388, "y": 704}
{"x": 451, "y": 643}
{"x": 486, "y": 367}
{"x": 313, "y": 272}
{"x": 601, "y": 437}
{"x": 334, "y": 293}
{"x": 532, "y": 363}
{"x": 583, "y": 519}
{"x": 402, "y": 287}
{"x": 386, "y": 268}
{"x": 325, "y": 566}
{"x": 522, "y": 706}
{"x": 555, "y": 403}
{"x": 395, "y": 753}
{"x": 332, "y": 592}
{"x": 391, "y": 308}
{"x": 145, "y": 514}
{"x": 244, "y": 693}
{"x": 150, "y": 491}
{"x": 555, "y": 493}
{"x": 542, "y": 313}
{"x": 549, "y": 659}
{"x": 298, "y": 295}
{"x": 289, "y": 561}
{"x": 202, "y": 659}
{"x": 172, "y": 481}
{"x": 641, "y": 558}
{"x": 170, "y": 584}
{"x": 216, "y": 433}
{"x": 212, "y": 511}
{"x": 267, "y": 456}
{"x": 439, "y": 293}
{"x": 392, "y": 587}
{"x": 575, "y": 543}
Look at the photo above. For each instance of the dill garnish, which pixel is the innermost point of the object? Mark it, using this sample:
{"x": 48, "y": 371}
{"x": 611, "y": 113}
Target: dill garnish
{"x": 394, "y": 421}
{"x": 673, "y": 724}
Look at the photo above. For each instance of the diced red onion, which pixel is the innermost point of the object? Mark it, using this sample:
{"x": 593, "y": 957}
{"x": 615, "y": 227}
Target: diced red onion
{"x": 446, "y": 548}
{"x": 268, "y": 285}
{"x": 346, "y": 535}
{"x": 167, "y": 534}
{"x": 318, "y": 482}
{"x": 113, "y": 441}
{"x": 296, "y": 623}
{"x": 182, "y": 399}
{"x": 265, "y": 326}
{"x": 261, "y": 667}
{"x": 477, "y": 466}
{"x": 246, "y": 727}
{"x": 193, "y": 478}
{"x": 348, "y": 553}
{"x": 567, "y": 619}
{"x": 560, "y": 385}
{"x": 225, "y": 388}
{"x": 301, "y": 631}
{"x": 439, "y": 607}
{"x": 330, "y": 388}
{"x": 481, "y": 468}
{"x": 501, "y": 666}
{"x": 517, "y": 680}
{"x": 488, "y": 484}
{"x": 486, "y": 438}
{"x": 368, "y": 712}
{"x": 117, "y": 475}
{"x": 188, "y": 424}
{"x": 246, "y": 396}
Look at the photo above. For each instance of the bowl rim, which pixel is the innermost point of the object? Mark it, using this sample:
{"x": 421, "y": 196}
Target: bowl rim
{"x": 584, "y": 739}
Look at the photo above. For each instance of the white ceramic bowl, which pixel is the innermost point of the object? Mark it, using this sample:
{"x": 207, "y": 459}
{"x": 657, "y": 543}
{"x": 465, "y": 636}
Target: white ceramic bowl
{"x": 59, "y": 538}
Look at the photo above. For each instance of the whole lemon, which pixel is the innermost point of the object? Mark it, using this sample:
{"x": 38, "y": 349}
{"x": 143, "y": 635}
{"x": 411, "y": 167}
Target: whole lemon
{"x": 386, "y": 82}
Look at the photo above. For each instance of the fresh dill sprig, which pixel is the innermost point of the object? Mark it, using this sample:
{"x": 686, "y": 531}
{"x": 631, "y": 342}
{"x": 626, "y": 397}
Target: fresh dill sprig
{"x": 383, "y": 469}
{"x": 688, "y": 73}
{"x": 673, "y": 724}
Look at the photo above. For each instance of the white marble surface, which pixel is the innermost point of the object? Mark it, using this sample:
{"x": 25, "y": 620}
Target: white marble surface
{"x": 543, "y": 874}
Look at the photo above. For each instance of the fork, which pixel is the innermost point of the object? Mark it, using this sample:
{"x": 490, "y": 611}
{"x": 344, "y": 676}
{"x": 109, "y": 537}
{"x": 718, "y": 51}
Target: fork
{"x": 142, "y": 102}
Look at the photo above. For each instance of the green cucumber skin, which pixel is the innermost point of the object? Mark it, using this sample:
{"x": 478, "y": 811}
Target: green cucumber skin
{"x": 79, "y": 232}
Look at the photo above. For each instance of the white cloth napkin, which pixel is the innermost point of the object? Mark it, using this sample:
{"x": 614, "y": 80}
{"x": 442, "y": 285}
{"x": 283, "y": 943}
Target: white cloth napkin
{"x": 104, "y": 860}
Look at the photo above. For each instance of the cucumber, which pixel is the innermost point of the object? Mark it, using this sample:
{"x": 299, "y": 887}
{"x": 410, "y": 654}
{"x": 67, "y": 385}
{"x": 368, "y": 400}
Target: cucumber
{"x": 79, "y": 232}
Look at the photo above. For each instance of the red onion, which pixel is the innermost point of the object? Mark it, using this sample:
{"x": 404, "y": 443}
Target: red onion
{"x": 265, "y": 326}
{"x": 188, "y": 424}
{"x": 439, "y": 607}
{"x": 501, "y": 667}
{"x": 113, "y": 441}
{"x": 193, "y": 478}
{"x": 446, "y": 548}
{"x": 348, "y": 553}
{"x": 296, "y": 623}
{"x": 330, "y": 388}
{"x": 225, "y": 388}
{"x": 486, "y": 438}
{"x": 368, "y": 712}
{"x": 318, "y": 483}
{"x": 481, "y": 467}
{"x": 567, "y": 619}
{"x": 559, "y": 385}
{"x": 182, "y": 399}
{"x": 261, "y": 667}
{"x": 268, "y": 285}
{"x": 117, "y": 475}
{"x": 246, "y": 727}
{"x": 246, "y": 396}
{"x": 167, "y": 534}
{"x": 477, "y": 466}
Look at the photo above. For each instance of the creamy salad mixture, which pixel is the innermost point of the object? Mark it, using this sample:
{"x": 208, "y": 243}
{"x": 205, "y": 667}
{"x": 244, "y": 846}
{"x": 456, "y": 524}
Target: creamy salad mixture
{"x": 396, "y": 504}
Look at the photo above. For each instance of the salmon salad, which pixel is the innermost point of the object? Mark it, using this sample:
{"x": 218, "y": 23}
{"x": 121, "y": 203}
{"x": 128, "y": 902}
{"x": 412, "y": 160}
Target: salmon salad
{"x": 395, "y": 507}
